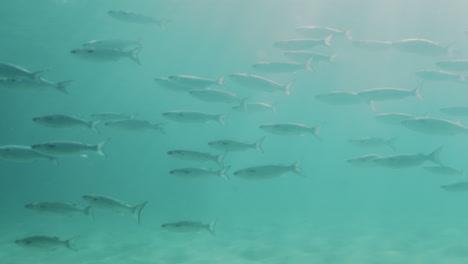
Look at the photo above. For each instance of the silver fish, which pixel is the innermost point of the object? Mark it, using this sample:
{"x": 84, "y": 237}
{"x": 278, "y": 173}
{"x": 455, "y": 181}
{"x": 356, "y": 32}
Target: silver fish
{"x": 320, "y": 32}
{"x": 291, "y": 129}
{"x": 190, "y": 226}
{"x": 421, "y": 47}
{"x": 38, "y": 84}
{"x": 259, "y": 83}
{"x": 268, "y": 171}
{"x": 339, "y": 98}
{"x": 105, "y": 55}
{"x": 434, "y": 75}
{"x": 199, "y": 173}
{"x": 18, "y": 153}
{"x": 304, "y": 56}
{"x": 366, "y": 142}
{"x": 172, "y": 86}
{"x": 132, "y": 17}
{"x": 236, "y": 146}
{"x": 445, "y": 170}
{"x": 108, "y": 203}
{"x": 372, "y": 45}
{"x": 215, "y": 96}
{"x": 455, "y": 111}
{"x": 109, "y": 116}
{"x": 65, "y": 121}
{"x": 283, "y": 67}
{"x": 435, "y": 126}
{"x": 135, "y": 125}
{"x": 193, "y": 82}
{"x": 58, "y": 208}
{"x": 11, "y": 71}
{"x": 194, "y": 117}
{"x": 384, "y": 94}
{"x": 456, "y": 187}
{"x": 364, "y": 161}
{"x": 197, "y": 156}
{"x": 255, "y": 107}
{"x": 407, "y": 160}
{"x": 393, "y": 118}
{"x": 69, "y": 148}
{"x": 45, "y": 243}
{"x": 302, "y": 44}
{"x": 119, "y": 44}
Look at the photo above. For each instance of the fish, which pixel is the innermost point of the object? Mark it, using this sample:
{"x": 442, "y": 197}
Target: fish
{"x": 455, "y": 111}
{"x": 109, "y": 116}
{"x": 11, "y": 71}
{"x": 453, "y": 65}
{"x": 364, "y": 161}
{"x": 393, "y": 118}
{"x": 373, "y": 142}
{"x": 456, "y": 187}
{"x": 135, "y": 125}
{"x": 291, "y": 129}
{"x": 69, "y": 148}
{"x": 422, "y": 47}
{"x": 118, "y": 44}
{"x": 384, "y": 94}
{"x": 172, "y": 86}
{"x": 436, "y": 126}
{"x": 108, "y": 203}
{"x": 445, "y": 170}
{"x": 17, "y": 153}
{"x": 106, "y": 55}
{"x": 302, "y": 44}
{"x": 65, "y": 121}
{"x": 190, "y": 226}
{"x": 434, "y": 75}
{"x": 58, "y": 208}
{"x": 304, "y": 56}
{"x": 408, "y": 160}
{"x": 339, "y": 98}
{"x": 317, "y": 31}
{"x": 216, "y": 96}
{"x": 255, "y": 107}
{"x": 199, "y": 173}
{"x": 197, "y": 156}
{"x": 259, "y": 83}
{"x": 45, "y": 243}
{"x": 194, "y": 117}
{"x": 236, "y": 146}
{"x": 283, "y": 67}
{"x": 268, "y": 171}
{"x": 132, "y": 17}
{"x": 194, "y": 82}
{"x": 38, "y": 84}
{"x": 372, "y": 45}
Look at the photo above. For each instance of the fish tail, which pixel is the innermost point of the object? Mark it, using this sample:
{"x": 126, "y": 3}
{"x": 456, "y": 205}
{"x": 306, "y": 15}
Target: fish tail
{"x": 435, "y": 155}
{"x": 100, "y": 148}
{"x": 372, "y": 106}
{"x": 221, "y": 81}
{"x": 243, "y": 104}
{"x": 71, "y": 244}
{"x": 136, "y": 211}
{"x": 221, "y": 119}
{"x": 62, "y": 86}
{"x": 133, "y": 55}
{"x": 332, "y": 58}
{"x": 88, "y": 211}
{"x": 297, "y": 168}
{"x": 222, "y": 172}
{"x": 37, "y": 75}
{"x": 391, "y": 143}
{"x": 163, "y": 24}
{"x": 348, "y": 34}
{"x": 258, "y": 144}
{"x": 220, "y": 159}
{"x": 93, "y": 126}
{"x": 160, "y": 127}
{"x": 327, "y": 40}
{"x": 316, "y": 131}
{"x": 288, "y": 86}
{"x": 308, "y": 65}
{"x": 417, "y": 92}
{"x": 211, "y": 227}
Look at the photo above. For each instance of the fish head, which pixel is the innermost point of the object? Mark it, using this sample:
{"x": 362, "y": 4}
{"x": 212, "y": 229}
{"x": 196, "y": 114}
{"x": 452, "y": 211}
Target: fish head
{"x": 44, "y": 147}
{"x": 82, "y": 51}
{"x": 24, "y": 242}
{"x": 180, "y": 172}
{"x": 31, "y": 206}
{"x": 245, "y": 172}
{"x": 90, "y": 198}
{"x": 176, "y": 153}
{"x": 43, "y": 119}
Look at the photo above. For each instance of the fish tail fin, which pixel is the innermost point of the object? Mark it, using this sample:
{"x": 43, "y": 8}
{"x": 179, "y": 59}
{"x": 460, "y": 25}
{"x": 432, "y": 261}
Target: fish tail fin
{"x": 134, "y": 55}
{"x": 332, "y": 58}
{"x": 316, "y": 131}
{"x": 222, "y": 172}
{"x": 391, "y": 143}
{"x": 163, "y": 24}
{"x": 211, "y": 227}
{"x": 221, "y": 119}
{"x": 347, "y": 34}
{"x": 372, "y": 106}
{"x": 417, "y": 92}
{"x": 435, "y": 155}
{"x": 62, "y": 86}
{"x": 220, "y": 159}
{"x": 327, "y": 40}
{"x": 160, "y": 127}
{"x": 258, "y": 144}
{"x": 308, "y": 65}
{"x": 93, "y": 125}
{"x": 243, "y": 104}
{"x": 136, "y": 211}
{"x": 37, "y": 75}
{"x": 297, "y": 168}
{"x": 88, "y": 211}
{"x": 100, "y": 148}
{"x": 221, "y": 81}
{"x": 71, "y": 244}
{"x": 288, "y": 86}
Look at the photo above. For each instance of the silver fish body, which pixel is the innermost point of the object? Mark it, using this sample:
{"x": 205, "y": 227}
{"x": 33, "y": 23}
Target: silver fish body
{"x": 65, "y": 121}
{"x": 236, "y": 146}
{"x": 58, "y": 208}
{"x": 268, "y": 171}
{"x": 193, "y": 117}
{"x": 259, "y": 83}
{"x": 190, "y": 226}
{"x": 18, "y": 153}
{"x": 68, "y": 148}
{"x": 108, "y": 203}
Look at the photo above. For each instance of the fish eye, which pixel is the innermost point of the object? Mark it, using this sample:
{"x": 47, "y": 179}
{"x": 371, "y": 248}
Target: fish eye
{"x": 186, "y": 172}
{"x": 51, "y": 145}
{"x": 74, "y": 51}
{"x": 27, "y": 242}
{"x": 251, "y": 170}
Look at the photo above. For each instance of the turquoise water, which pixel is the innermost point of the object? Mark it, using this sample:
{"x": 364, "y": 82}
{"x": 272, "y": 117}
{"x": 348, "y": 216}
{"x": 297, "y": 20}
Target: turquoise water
{"x": 336, "y": 213}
